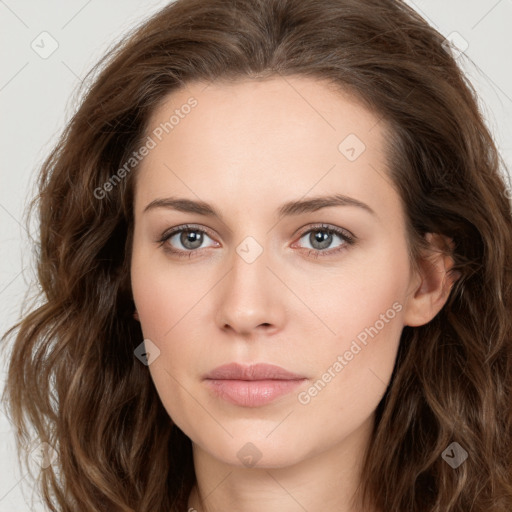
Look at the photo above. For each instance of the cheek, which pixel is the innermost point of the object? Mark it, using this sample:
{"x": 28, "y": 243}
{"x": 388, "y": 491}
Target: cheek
{"x": 169, "y": 306}
{"x": 354, "y": 366}
{"x": 164, "y": 311}
{"x": 364, "y": 311}
{"x": 164, "y": 294}
{"x": 355, "y": 296}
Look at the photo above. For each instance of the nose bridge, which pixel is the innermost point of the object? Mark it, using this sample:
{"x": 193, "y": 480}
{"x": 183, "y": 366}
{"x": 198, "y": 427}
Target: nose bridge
{"x": 250, "y": 294}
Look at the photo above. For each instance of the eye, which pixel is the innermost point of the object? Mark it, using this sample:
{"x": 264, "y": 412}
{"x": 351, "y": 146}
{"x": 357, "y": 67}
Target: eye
{"x": 187, "y": 240}
{"x": 189, "y": 237}
{"x": 321, "y": 237}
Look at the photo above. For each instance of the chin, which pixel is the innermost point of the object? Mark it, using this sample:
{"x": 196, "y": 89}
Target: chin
{"x": 256, "y": 451}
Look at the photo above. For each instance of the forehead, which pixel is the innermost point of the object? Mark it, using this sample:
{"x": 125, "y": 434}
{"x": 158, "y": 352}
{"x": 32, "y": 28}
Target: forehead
{"x": 252, "y": 137}
{"x": 309, "y": 105}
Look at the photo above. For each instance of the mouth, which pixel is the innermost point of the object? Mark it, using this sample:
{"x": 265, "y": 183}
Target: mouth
{"x": 252, "y": 386}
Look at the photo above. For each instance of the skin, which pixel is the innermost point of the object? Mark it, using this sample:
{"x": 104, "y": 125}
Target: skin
{"x": 246, "y": 148}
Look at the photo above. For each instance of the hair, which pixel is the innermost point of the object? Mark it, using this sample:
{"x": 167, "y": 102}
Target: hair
{"x": 72, "y": 374}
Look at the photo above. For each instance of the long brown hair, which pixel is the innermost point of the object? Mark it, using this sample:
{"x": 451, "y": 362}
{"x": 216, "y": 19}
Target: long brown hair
{"x": 72, "y": 375}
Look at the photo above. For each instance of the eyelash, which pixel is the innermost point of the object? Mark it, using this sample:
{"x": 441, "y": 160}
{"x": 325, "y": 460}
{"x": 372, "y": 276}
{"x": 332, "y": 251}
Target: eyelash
{"x": 346, "y": 236}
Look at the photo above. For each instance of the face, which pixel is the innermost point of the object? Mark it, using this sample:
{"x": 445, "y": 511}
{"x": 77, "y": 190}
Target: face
{"x": 269, "y": 267}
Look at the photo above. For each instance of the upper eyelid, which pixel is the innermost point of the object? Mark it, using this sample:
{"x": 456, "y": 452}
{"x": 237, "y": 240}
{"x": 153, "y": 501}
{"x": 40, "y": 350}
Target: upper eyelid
{"x": 326, "y": 227}
{"x": 186, "y": 227}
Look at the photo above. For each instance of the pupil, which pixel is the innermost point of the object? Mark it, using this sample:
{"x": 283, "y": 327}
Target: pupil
{"x": 322, "y": 238}
{"x": 191, "y": 239}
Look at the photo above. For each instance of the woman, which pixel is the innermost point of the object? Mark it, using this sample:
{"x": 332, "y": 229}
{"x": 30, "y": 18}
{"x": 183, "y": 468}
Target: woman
{"x": 275, "y": 257}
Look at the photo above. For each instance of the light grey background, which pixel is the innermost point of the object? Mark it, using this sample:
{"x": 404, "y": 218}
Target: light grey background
{"x": 36, "y": 99}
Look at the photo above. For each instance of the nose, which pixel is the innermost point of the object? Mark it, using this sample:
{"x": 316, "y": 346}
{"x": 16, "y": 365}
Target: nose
{"x": 251, "y": 298}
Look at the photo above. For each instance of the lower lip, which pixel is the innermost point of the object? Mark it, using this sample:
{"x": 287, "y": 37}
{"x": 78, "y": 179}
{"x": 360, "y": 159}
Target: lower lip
{"x": 252, "y": 393}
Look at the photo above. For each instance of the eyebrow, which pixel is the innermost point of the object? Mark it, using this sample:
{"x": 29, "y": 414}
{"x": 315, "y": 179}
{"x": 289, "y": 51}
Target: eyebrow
{"x": 290, "y": 208}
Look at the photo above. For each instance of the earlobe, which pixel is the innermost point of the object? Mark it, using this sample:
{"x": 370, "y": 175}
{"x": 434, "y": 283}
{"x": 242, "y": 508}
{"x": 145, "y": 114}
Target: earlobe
{"x": 136, "y": 316}
{"x": 428, "y": 297}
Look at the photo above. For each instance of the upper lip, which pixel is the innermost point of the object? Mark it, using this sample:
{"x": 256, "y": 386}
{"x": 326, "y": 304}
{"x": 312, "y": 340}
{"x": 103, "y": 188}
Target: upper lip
{"x": 259, "y": 371}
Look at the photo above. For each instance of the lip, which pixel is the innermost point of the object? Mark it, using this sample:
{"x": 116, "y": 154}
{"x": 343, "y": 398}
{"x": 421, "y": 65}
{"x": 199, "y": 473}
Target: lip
{"x": 253, "y": 385}
{"x": 259, "y": 371}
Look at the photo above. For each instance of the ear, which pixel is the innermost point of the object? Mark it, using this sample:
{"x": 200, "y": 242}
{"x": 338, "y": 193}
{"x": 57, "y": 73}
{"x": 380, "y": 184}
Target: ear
{"x": 136, "y": 316}
{"x": 430, "y": 287}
